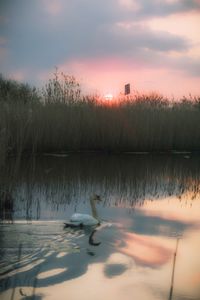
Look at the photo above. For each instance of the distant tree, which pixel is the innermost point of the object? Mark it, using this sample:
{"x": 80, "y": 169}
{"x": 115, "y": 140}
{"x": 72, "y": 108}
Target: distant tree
{"x": 61, "y": 89}
{"x": 14, "y": 91}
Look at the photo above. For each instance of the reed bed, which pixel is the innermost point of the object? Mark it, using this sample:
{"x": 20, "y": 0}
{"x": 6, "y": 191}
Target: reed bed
{"x": 59, "y": 119}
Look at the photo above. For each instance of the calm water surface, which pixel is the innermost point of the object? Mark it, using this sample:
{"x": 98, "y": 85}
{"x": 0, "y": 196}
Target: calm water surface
{"x": 148, "y": 243}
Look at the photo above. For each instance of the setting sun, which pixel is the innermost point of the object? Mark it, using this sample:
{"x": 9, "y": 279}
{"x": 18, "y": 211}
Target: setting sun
{"x": 108, "y": 96}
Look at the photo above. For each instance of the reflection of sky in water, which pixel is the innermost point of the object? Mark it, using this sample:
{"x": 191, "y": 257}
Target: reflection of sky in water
{"x": 137, "y": 242}
{"x": 135, "y": 257}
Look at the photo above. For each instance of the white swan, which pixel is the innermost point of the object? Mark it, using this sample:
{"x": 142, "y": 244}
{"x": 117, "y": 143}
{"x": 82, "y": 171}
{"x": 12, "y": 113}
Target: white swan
{"x": 80, "y": 220}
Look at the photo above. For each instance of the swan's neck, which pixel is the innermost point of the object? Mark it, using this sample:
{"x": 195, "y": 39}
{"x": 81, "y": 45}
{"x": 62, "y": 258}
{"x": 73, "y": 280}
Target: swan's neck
{"x": 93, "y": 208}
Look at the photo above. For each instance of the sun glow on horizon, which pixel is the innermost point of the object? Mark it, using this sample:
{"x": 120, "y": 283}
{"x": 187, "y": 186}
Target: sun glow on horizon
{"x": 108, "y": 97}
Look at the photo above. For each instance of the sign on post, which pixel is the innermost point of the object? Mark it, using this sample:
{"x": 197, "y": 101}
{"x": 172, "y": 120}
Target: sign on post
{"x": 127, "y": 89}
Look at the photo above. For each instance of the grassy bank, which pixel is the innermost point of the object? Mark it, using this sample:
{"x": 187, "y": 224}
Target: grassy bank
{"x": 59, "y": 119}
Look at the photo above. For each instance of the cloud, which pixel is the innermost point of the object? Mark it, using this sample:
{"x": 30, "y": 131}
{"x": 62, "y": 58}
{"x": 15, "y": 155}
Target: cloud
{"x": 3, "y": 41}
{"x": 189, "y": 65}
{"x": 134, "y": 36}
{"x": 77, "y": 36}
{"x": 165, "y": 8}
{"x": 45, "y": 33}
{"x": 130, "y": 5}
{"x": 3, "y": 20}
{"x": 3, "y": 52}
{"x": 53, "y": 7}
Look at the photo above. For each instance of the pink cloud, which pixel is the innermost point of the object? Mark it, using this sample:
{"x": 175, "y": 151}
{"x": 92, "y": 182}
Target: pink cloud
{"x": 53, "y": 7}
{"x": 3, "y": 41}
{"x": 130, "y": 5}
{"x": 3, "y": 19}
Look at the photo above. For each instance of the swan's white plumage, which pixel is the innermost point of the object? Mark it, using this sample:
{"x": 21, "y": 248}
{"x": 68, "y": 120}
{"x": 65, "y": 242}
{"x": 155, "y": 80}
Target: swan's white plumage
{"x": 84, "y": 219}
{"x": 78, "y": 219}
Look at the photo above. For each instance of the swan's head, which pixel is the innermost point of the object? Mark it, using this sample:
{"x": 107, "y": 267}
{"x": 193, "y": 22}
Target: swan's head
{"x": 96, "y": 197}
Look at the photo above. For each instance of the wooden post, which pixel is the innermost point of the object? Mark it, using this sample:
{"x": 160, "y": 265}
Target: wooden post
{"x": 173, "y": 270}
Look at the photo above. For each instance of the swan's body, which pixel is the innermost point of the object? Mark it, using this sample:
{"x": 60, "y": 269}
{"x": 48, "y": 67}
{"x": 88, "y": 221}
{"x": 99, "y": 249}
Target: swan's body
{"x": 80, "y": 220}
{"x": 84, "y": 219}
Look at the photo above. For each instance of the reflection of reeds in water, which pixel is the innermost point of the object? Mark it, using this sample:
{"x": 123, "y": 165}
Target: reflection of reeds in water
{"x": 19, "y": 258}
{"x": 48, "y": 243}
{"x": 121, "y": 180}
{"x": 6, "y": 205}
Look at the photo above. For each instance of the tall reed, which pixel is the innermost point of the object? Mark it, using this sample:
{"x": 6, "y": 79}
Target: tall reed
{"x": 60, "y": 119}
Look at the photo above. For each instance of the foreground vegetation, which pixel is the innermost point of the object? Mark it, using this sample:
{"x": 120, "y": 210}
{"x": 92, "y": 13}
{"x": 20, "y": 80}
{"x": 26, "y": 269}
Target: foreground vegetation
{"x": 59, "y": 119}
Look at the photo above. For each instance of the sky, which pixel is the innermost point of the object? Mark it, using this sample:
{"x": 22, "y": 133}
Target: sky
{"x": 152, "y": 44}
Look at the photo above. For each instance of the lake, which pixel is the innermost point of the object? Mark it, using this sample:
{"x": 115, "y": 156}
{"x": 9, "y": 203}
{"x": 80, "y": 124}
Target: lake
{"x": 146, "y": 247}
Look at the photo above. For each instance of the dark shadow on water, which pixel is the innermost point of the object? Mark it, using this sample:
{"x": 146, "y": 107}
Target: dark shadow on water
{"x": 112, "y": 270}
{"x": 79, "y": 254}
{"x": 76, "y": 263}
{"x": 34, "y": 297}
{"x": 155, "y": 226}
